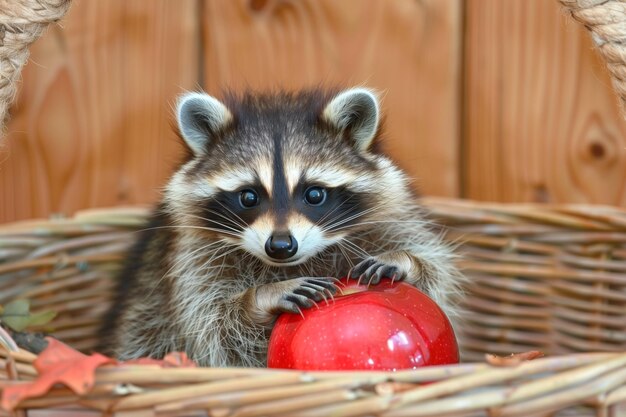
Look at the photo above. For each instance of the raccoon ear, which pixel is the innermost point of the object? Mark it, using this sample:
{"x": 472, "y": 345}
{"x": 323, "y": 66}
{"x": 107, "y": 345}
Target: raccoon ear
{"x": 355, "y": 112}
{"x": 199, "y": 118}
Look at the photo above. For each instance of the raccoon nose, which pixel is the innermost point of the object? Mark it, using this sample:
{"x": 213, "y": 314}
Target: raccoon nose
{"x": 281, "y": 246}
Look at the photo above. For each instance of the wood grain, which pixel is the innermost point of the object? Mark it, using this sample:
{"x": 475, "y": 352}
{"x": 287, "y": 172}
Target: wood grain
{"x": 409, "y": 50}
{"x": 91, "y": 123}
{"x": 539, "y": 119}
{"x": 541, "y": 122}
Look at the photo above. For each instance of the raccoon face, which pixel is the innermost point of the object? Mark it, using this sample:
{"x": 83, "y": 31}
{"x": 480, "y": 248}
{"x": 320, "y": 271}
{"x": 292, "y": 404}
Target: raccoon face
{"x": 283, "y": 176}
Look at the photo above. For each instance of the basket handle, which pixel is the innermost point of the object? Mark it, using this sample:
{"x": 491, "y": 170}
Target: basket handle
{"x": 606, "y": 20}
{"x": 21, "y": 23}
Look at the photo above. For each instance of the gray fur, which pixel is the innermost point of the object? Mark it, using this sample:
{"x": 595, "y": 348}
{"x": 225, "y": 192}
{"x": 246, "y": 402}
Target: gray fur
{"x": 201, "y": 288}
{"x": 357, "y": 110}
{"x": 199, "y": 117}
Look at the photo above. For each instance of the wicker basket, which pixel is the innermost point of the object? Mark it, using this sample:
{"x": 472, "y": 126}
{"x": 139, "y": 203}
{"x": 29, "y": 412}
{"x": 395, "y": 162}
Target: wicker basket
{"x": 542, "y": 277}
{"x": 551, "y": 278}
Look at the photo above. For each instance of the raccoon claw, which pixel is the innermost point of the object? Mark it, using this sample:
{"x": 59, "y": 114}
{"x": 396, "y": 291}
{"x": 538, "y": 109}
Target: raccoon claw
{"x": 371, "y": 271}
{"x": 360, "y": 268}
{"x": 287, "y": 306}
{"x": 299, "y": 300}
{"x": 378, "y": 271}
{"x": 308, "y": 293}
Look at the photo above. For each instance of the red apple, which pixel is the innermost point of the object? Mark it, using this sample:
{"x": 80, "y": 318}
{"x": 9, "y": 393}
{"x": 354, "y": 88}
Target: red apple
{"x": 384, "y": 327}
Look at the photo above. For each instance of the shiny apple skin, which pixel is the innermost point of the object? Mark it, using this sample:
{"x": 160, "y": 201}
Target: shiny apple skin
{"x": 389, "y": 326}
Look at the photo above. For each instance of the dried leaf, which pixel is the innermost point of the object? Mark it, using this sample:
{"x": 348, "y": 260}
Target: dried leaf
{"x": 58, "y": 363}
{"x": 17, "y": 307}
{"x": 513, "y": 359}
{"x": 172, "y": 360}
{"x": 16, "y": 314}
{"x": 178, "y": 360}
{"x": 39, "y": 319}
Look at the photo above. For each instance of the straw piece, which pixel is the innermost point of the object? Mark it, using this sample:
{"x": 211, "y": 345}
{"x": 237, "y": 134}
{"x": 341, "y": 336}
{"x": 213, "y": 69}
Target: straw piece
{"x": 573, "y": 395}
{"x": 565, "y": 379}
{"x": 184, "y": 392}
{"x": 238, "y": 399}
{"x": 296, "y": 404}
{"x": 136, "y": 374}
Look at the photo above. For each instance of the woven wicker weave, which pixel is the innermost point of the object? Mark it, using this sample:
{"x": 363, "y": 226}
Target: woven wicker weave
{"x": 542, "y": 277}
{"x": 551, "y": 278}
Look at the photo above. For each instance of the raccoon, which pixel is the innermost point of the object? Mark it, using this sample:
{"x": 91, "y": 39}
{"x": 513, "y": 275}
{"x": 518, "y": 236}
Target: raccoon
{"x": 281, "y": 194}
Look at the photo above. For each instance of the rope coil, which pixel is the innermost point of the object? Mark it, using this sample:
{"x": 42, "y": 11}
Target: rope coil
{"x": 606, "y": 20}
{"x": 21, "y": 23}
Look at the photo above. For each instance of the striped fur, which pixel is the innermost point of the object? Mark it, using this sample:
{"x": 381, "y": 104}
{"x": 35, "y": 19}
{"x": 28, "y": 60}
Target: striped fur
{"x": 200, "y": 278}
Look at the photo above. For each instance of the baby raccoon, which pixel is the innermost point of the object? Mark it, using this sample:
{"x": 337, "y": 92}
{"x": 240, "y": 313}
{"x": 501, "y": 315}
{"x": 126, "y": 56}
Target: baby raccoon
{"x": 281, "y": 194}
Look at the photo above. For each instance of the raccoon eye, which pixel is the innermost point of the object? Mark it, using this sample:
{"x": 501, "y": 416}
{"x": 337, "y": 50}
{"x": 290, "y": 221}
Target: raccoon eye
{"x": 315, "y": 196}
{"x": 248, "y": 198}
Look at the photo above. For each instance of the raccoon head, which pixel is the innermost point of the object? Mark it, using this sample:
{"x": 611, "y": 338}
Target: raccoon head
{"x": 281, "y": 175}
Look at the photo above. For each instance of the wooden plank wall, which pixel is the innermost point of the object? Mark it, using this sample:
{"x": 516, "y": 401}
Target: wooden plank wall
{"x": 541, "y": 120}
{"x": 500, "y": 100}
{"x": 91, "y": 124}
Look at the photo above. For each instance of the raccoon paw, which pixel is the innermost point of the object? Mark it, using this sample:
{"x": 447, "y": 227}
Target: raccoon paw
{"x": 371, "y": 270}
{"x": 294, "y": 294}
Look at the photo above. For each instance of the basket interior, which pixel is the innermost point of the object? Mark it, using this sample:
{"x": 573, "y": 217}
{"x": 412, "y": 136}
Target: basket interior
{"x": 551, "y": 278}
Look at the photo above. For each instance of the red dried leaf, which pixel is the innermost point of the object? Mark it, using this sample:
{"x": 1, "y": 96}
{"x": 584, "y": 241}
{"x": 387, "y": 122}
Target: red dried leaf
{"x": 513, "y": 359}
{"x": 178, "y": 360}
{"x": 58, "y": 363}
{"x": 143, "y": 361}
{"x": 172, "y": 360}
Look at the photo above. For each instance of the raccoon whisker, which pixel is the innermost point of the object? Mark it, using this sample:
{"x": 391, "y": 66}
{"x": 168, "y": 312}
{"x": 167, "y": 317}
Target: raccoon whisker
{"x": 241, "y": 222}
{"x": 210, "y": 229}
{"x": 265, "y": 269}
{"x": 352, "y": 252}
{"x": 223, "y": 266}
{"x": 418, "y": 222}
{"x": 331, "y": 220}
{"x": 225, "y": 226}
{"x": 348, "y": 243}
{"x": 185, "y": 259}
{"x": 229, "y": 218}
{"x": 325, "y": 216}
{"x": 333, "y": 226}
{"x": 342, "y": 250}
{"x": 219, "y": 223}
{"x": 191, "y": 258}
{"x": 181, "y": 264}
{"x": 365, "y": 245}
{"x": 355, "y": 249}
{"x": 247, "y": 257}
{"x": 349, "y": 240}
{"x": 231, "y": 249}
{"x": 314, "y": 264}
{"x": 236, "y": 219}
{"x": 232, "y": 212}
{"x": 305, "y": 269}
{"x": 217, "y": 230}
